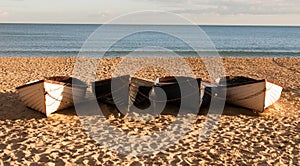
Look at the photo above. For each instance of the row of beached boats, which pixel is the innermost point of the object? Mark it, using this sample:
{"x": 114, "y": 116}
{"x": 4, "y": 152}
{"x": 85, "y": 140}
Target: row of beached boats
{"x": 56, "y": 93}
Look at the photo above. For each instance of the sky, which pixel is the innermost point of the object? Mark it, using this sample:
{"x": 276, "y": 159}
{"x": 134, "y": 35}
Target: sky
{"x": 203, "y": 12}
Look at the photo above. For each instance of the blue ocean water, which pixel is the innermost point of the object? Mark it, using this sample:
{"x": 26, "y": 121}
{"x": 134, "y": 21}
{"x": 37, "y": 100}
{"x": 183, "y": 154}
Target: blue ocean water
{"x": 67, "y": 40}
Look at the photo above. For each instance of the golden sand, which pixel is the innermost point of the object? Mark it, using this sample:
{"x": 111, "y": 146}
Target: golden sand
{"x": 241, "y": 137}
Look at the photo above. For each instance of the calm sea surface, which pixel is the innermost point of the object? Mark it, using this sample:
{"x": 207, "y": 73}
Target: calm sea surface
{"x": 67, "y": 40}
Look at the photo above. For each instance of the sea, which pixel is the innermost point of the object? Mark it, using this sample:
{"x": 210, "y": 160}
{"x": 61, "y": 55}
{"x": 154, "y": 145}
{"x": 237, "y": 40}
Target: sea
{"x": 67, "y": 40}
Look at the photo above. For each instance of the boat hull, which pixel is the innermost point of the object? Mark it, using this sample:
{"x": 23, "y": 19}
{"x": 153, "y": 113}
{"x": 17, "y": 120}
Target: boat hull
{"x": 181, "y": 89}
{"x": 139, "y": 92}
{"x": 48, "y": 96}
{"x": 167, "y": 90}
{"x": 256, "y": 95}
{"x": 113, "y": 91}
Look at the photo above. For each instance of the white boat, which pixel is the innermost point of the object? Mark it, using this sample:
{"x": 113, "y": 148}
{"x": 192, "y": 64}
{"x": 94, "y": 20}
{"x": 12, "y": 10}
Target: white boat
{"x": 249, "y": 93}
{"x": 52, "y": 94}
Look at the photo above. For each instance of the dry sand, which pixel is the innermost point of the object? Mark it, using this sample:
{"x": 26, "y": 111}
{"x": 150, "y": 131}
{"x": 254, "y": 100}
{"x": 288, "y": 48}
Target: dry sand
{"x": 241, "y": 137}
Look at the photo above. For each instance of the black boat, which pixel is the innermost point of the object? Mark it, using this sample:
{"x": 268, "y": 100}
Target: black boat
{"x": 176, "y": 89}
{"x": 113, "y": 91}
{"x": 181, "y": 89}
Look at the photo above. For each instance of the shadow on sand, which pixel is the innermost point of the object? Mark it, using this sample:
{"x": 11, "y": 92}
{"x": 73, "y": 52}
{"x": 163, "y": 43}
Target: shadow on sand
{"x": 12, "y": 108}
{"x": 110, "y": 110}
{"x": 230, "y": 110}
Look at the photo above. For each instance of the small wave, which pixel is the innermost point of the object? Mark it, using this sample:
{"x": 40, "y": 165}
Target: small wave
{"x": 186, "y": 53}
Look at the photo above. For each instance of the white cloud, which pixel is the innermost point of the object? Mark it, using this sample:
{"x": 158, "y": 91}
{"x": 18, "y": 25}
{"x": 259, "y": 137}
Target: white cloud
{"x": 231, "y": 7}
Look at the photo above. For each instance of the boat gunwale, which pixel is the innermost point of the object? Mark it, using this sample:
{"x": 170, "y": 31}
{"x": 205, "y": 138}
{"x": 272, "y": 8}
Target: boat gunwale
{"x": 250, "y": 82}
{"x": 240, "y": 84}
{"x": 274, "y": 82}
{"x": 142, "y": 80}
{"x": 52, "y": 82}
{"x": 101, "y": 83}
{"x": 110, "y": 79}
{"x": 175, "y": 82}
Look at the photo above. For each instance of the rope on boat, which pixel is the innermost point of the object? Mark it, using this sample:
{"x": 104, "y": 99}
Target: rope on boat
{"x": 53, "y": 90}
{"x": 62, "y": 86}
{"x": 60, "y": 100}
{"x": 59, "y": 88}
{"x": 102, "y": 97}
{"x": 170, "y": 100}
{"x": 245, "y": 98}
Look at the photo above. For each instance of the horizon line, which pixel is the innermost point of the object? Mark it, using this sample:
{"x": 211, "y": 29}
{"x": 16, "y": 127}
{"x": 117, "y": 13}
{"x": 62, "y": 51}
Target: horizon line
{"x": 61, "y": 23}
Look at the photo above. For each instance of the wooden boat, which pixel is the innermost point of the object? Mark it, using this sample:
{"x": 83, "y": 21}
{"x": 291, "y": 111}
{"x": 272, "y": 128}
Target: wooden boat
{"x": 113, "y": 95}
{"x": 249, "y": 93}
{"x": 140, "y": 90}
{"x": 206, "y": 93}
{"x": 52, "y": 94}
{"x": 171, "y": 87}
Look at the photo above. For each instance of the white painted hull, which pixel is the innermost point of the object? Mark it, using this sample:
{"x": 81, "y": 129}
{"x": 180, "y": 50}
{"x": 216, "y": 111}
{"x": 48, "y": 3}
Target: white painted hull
{"x": 48, "y": 97}
{"x": 255, "y": 96}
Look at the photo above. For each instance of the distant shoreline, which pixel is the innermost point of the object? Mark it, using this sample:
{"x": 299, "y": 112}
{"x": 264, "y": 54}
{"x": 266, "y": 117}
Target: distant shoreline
{"x": 203, "y": 25}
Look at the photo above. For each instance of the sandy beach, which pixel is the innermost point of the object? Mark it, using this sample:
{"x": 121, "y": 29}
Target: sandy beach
{"x": 241, "y": 137}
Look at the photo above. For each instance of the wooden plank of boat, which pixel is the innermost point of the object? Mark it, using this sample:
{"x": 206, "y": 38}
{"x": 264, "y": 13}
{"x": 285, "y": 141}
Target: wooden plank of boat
{"x": 139, "y": 90}
{"x": 251, "y": 95}
{"x": 33, "y": 95}
{"x": 52, "y": 94}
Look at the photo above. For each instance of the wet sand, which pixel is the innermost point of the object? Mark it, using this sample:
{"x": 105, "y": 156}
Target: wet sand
{"x": 241, "y": 137}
